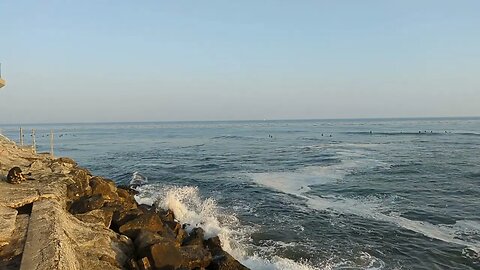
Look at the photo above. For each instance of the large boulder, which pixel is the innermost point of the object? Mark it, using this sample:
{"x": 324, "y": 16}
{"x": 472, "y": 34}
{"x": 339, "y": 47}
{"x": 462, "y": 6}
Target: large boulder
{"x": 87, "y": 203}
{"x": 122, "y": 216}
{"x": 80, "y": 186}
{"x": 165, "y": 256}
{"x": 146, "y": 238}
{"x": 104, "y": 187}
{"x": 97, "y": 216}
{"x": 148, "y": 221}
{"x": 195, "y": 257}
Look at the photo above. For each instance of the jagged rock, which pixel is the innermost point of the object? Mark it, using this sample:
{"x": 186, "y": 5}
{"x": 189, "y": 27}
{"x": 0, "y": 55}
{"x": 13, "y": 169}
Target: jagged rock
{"x": 166, "y": 215}
{"x": 179, "y": 232}
{"x": 195, "y": 237}
{"x": 81, "y": 177}
{"x": 122, "y": 216}
{"x": 147, "y": 221}
{"x": 86, "y": 204}
{"x": 213, "y": 244}
{"x": 195, "y": 257}
{"x": 104, "y": 187}
{"x": 126, "y": 198}
{"x": 221, "y": 259}
{"x": 146, "y": 238}
{"x": 165, "y": 256}
{"x": 225, "y": 261}
{"x": 97, "y": 216}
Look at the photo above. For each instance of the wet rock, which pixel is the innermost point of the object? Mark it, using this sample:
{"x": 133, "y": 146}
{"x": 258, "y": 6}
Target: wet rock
{"x": 213, "y": 244}
{"x": 164, "y": 255}
{"x": 221, "y": 259}
{"x": 179, "y": 233}
{"x": 147, "y": 221}
{"x": 126, "y": 198}
{"x": 195, "y": 257}
{"x": 87, "y": 203}
{"x": 97, "y": 216}
{"x": 195, "y": 237}
{"x": 166, "y": 215}
{"x": 225, "y": 261}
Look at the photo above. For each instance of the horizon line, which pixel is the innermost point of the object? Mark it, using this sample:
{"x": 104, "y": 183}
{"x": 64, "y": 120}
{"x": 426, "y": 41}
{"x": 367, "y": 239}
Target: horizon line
{"x": 249, "y": 120}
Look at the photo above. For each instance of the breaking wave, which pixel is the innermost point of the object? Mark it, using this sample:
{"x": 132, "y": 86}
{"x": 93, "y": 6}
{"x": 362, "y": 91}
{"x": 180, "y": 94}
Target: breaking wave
{"x": 191, "y": 209}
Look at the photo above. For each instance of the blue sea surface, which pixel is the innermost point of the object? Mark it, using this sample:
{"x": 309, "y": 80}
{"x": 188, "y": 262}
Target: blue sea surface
{"x": 312, "y": 194}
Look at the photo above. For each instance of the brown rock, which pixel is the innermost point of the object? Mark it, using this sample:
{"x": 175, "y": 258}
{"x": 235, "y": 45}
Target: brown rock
{"x": 221, "y": 259}
{"x": 195, "y": 257}
{"x": 147, "y": 221}
{"x": 225, "y": 261}
{"x": 97, "y": 216}
{"x": 86, "y": 204}
{"x": 104, "y": 187}
{"x": 178, "y": 231}
{"x": 122, "y": 215}
{"x": 194, "y": 238}
{"x": 66, "y": 160}
{"x": 146, "y": 238}
{"x": 81, "y": 178}
{"x": 165, "y": 256}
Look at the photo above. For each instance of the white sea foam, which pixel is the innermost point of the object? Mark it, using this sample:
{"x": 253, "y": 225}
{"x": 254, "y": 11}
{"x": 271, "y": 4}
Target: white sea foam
{"x": 190, "y": 208}
{"x": 298, "y": 183}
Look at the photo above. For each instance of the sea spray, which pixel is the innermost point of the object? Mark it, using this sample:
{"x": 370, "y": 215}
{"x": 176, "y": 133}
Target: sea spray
{"x": 190, "y": 208}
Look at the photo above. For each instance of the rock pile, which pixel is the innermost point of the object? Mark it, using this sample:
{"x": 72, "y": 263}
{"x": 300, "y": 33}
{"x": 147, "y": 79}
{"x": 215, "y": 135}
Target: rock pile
{"x": 159, "y": 241}
{"x": 69, "y": 219}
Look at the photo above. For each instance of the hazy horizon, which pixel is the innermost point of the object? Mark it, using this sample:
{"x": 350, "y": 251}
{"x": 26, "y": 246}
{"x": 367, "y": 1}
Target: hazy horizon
{"x": 86, "y": 62}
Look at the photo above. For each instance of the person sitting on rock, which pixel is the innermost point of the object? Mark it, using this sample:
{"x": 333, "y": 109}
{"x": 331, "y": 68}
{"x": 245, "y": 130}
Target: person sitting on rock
{"x": 15, "y": 176}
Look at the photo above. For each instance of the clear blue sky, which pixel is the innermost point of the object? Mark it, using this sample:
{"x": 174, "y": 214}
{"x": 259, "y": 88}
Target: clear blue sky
{"x": 89, "y": 61}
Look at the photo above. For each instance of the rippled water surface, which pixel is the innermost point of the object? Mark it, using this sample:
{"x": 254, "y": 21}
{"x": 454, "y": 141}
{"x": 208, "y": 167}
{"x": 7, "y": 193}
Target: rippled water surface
{"x": 339, "y": 194}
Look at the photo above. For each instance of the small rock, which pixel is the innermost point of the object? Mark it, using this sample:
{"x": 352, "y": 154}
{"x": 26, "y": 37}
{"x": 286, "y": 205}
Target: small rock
{"x": 144, "y": 264}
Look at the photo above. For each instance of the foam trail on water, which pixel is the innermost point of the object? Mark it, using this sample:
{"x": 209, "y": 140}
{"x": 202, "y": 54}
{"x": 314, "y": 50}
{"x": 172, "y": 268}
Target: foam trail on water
{"x": 189, "y": 207}
{"x": 298, "y": 183}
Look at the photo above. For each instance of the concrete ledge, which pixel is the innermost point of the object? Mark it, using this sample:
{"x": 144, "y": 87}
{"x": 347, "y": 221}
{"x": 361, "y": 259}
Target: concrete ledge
{"x": 46, "y": 246}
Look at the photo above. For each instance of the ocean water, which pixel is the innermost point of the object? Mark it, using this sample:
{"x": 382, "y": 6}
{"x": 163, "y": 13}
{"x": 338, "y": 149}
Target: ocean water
{"x": 316, "y": 194}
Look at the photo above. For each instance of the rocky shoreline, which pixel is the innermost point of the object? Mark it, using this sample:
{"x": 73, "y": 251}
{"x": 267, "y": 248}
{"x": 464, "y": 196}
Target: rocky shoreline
{"x": 67, "y": 218}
